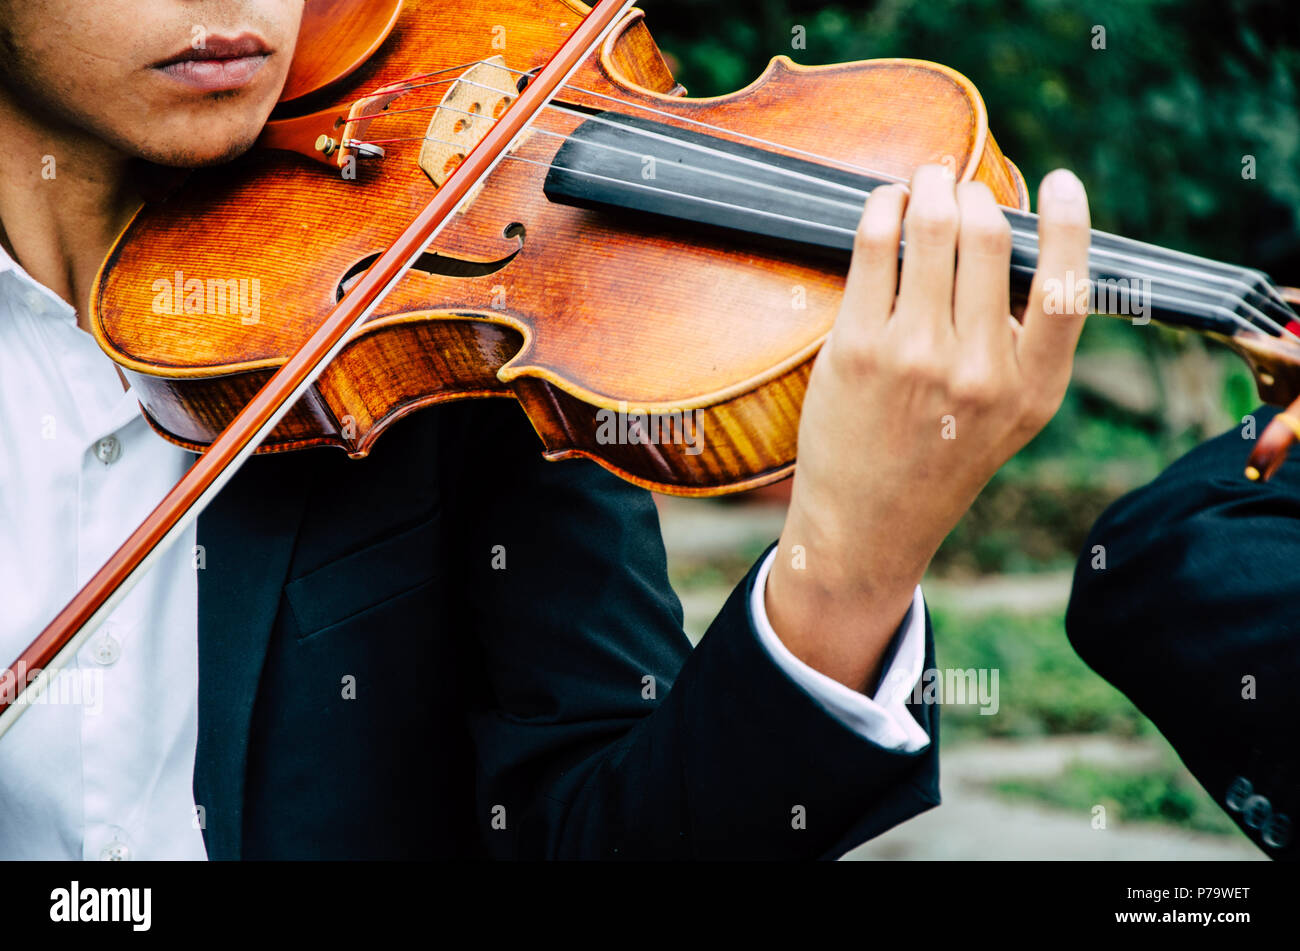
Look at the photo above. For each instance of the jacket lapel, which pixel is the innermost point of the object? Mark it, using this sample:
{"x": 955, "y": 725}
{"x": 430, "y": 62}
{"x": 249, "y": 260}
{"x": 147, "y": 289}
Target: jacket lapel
{"x": 247, "y": 536}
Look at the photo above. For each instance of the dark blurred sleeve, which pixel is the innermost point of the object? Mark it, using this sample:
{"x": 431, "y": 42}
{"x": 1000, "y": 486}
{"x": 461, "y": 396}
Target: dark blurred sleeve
{"x": 598, "y": 732}
{"x": 1187, "y": 598}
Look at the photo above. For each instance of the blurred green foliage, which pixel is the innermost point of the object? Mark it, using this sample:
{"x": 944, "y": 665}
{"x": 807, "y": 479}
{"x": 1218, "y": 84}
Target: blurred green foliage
{"x": 1156, "y": 124}
{"x": 1044, "y": 688}
{"x": 1167, "y": 794}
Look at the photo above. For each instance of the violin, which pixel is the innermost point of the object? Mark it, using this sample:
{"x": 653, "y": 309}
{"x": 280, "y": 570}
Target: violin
{"x": 636, "y": 251}
{"x": 519, "y": 201}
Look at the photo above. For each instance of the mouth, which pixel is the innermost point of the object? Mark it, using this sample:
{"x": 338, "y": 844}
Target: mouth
{"x": 222, "y": 63}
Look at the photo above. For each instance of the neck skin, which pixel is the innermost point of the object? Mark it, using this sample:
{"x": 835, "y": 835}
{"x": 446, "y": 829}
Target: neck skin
{"x": 60, "y": 228}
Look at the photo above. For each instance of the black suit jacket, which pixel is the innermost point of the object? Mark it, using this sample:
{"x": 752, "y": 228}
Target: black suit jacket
{"x": 1195, "y": 615}
{"x": 548, "y": 708}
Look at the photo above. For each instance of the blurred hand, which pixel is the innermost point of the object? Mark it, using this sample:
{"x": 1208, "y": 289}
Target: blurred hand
{"x": 925, "y": 386}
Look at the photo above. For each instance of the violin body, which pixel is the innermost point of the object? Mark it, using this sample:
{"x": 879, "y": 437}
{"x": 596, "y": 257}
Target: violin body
{"x": 575, "y": 312}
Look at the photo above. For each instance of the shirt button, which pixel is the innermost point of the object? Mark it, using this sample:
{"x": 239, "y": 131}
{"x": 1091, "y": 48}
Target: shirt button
{"x": 115, "y": 851}
{"x": 108, "y": 450}
{"x": 107, "y": 651}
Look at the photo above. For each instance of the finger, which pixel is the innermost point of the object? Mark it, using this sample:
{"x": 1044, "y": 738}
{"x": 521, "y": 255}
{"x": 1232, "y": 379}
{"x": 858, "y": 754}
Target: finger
{"x": 1061, "y": 289}
{"x": 930, "y": 246}
{"x": 982, "y": 299}
{"x": 872, "y": 283}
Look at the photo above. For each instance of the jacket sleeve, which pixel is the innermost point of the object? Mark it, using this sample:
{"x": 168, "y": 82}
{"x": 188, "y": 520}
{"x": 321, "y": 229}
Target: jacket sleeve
{"x": 1185, "y": 598}
{"x": 598, "y": 732}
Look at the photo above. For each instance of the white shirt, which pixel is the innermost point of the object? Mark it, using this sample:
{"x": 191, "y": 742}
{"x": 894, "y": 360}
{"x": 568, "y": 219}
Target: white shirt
{"x": 103, "y": 768}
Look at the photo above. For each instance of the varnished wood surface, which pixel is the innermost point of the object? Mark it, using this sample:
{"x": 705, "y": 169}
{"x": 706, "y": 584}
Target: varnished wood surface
{"x": 351, "y": 31}
{"x": 596, "y": 311}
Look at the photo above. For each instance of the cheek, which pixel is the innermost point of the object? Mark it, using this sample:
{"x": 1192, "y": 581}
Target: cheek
{"x": 281, "y": 20}
{"x": 50, "y": 77}
{"x": 74, "y": 44}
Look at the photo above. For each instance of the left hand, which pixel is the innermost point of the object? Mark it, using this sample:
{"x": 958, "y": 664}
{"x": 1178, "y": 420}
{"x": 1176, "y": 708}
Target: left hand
{"x": 925, "y": 386}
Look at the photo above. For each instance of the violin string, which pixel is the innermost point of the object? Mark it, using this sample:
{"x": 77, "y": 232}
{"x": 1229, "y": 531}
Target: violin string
{"x": 824, "y": 159}
{"x": 1029, "y": 236}
{"x": 1027, "y": 240}
{"x": 1151, "y": 249}
{"x": 715, "y": 173}
{"x": 716, "y": 128}
{"x": 710, "y": 150}
{"x": 404, "y": 86}
{"x": 397, "y": 93}
{"x": 836, "y": 229}
{"x": 1026, "y": 244}
{"x": 1154, "y": 256}
{"x": 695, "y": 146}
{"x": 412, "y": 86}
{"x": 386, "y": 113}
{"x": 1235, "y": 287}
{"x": 1095, "y": 252}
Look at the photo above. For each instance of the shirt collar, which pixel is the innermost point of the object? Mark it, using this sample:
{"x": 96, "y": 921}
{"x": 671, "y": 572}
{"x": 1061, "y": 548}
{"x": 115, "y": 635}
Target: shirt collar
{"x": 23, "y": 289}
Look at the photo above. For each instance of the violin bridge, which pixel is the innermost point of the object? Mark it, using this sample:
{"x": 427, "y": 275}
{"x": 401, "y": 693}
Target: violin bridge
{"x": 471, "y": 106}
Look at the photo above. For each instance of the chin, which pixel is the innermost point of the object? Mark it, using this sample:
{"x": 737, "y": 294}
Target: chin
{"x": 197, "y": 155}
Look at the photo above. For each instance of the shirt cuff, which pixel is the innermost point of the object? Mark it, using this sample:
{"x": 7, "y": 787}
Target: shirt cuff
{"x": 883, "y": 719}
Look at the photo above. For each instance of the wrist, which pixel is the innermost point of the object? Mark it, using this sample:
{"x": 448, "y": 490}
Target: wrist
{"x": 832, "y": 608}
{"x": 854, "y": 560}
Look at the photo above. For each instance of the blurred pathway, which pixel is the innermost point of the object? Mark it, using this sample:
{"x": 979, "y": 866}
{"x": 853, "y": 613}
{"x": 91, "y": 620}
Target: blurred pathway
{"x": 973, "y": 823}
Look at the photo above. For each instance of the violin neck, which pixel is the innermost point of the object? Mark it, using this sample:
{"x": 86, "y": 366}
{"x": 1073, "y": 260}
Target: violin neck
{"x": 1144, "y": 282}
{"x": 814, "y": 208}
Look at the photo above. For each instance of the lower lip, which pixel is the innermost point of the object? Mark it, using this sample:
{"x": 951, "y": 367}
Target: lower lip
{"x": 215, "y": 75}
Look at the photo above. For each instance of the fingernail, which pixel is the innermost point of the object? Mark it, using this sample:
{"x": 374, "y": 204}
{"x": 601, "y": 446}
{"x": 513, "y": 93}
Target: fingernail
{"x": 1064, "y": 185}
{"x": 887, "y": 185}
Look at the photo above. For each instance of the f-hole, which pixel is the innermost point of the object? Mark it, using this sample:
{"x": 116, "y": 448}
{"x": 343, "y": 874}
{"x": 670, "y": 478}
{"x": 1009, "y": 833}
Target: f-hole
{"x": 432, "y": 262}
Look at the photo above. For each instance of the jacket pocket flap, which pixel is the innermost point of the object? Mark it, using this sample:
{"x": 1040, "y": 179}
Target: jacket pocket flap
{"x": 363, "y": 579}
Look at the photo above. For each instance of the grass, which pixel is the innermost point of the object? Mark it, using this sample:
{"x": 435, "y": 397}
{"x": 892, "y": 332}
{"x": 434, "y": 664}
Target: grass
{"x": 1044, "y": 688}
{"x": 1166, "y": 795}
